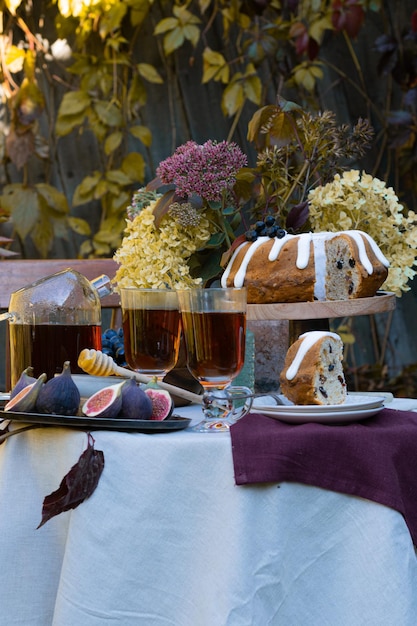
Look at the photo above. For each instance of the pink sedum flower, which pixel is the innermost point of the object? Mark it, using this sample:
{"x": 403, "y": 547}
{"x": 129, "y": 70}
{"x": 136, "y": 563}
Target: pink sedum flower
{"x": 208, "y": 170}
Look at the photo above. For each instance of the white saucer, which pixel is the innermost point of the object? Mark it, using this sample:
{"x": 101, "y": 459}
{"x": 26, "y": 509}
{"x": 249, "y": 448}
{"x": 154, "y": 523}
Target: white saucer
{"x": 355, "y": 408}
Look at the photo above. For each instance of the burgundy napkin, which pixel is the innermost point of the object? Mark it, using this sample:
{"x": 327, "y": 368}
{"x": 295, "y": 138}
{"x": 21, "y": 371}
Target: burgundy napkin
{"x": 374, "y": 459}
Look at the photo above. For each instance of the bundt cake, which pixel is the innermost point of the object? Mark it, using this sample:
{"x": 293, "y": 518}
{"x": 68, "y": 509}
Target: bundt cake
{"x": 313, "y": 372}
{"x": 307, "y": 267}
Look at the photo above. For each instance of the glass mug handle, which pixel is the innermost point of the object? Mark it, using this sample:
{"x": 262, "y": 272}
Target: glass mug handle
{"x": 233, "y": 400}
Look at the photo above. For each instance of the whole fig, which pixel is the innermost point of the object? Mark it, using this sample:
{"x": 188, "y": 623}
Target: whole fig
{"x": 136, "y": 404}
{"x": 60, "y": 395}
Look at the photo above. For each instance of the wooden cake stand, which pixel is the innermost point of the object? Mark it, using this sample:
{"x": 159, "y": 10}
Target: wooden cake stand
{"x": 304, "y": 316}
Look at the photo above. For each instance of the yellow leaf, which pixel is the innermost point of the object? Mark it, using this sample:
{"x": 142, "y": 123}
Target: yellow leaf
{"x": 233, "y": 98}
{"x": 192, "y": 33}
{"x": 65, "y": 124}
{"x": 137, "y": 92}
{"x": 101, "y": 249}
{"x": 139, "y": 12}
{"x": 204, "y": 5}
{"x": 74, "y": 102}
{"x": 173, "y": 40}
{"x": 71, "y": 8}
{"x": 42, "y": 235}
{"x": 253, "y": 89}
{"x": 215, "y": 67}
{"x": 109, "y": 114}
{"x": 168, "y": 23}
{"x": 101, "y": 189}
{"x": 317, "y": 71}
{"x": 14, "y": 59}
{"x": 119, "y": 202}
{"x": 53, "y": 198}
{"x": 23, "y": 204}
{"x": 133, "y": 165}
{"x": 112, "y": 142}
{"x": 150, "y": 73}
{"x": 318, "y": 28}
{"x": 118, "y": 177}
{"x": 304, "y": 77}
{"x": 84, "y": 192}
{"x": 143, "y": 133}
{"x": 185, "y": 16}
{"x": 210, "y": 73}
{"x": 86, "y": 249}
{"x": 79, "y": 226}
{"x": 12, "y": 5}
{"x": 211, "y": 57}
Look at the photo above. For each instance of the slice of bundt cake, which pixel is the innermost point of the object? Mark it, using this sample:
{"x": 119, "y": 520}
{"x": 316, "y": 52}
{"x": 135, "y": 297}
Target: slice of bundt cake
{"x": 313, "y": 372}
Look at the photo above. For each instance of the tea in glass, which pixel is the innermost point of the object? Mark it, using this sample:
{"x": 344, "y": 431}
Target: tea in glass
{"x": 151, "y": 329}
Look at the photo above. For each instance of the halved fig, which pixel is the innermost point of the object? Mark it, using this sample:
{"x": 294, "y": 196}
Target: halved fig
{"x": 162, "y": 404}
{"x": 106, "y": 402}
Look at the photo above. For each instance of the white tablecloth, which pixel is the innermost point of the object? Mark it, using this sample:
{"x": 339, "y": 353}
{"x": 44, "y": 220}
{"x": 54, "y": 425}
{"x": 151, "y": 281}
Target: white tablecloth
{"x": 168, "y": 538}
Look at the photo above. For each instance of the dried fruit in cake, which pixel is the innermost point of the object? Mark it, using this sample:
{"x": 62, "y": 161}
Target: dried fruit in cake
{"x": 307, "y": 267}
{"x": 313, "y": 371}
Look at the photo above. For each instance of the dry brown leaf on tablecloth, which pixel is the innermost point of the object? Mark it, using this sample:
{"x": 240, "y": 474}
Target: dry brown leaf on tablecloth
{"x": 77, "y": 485}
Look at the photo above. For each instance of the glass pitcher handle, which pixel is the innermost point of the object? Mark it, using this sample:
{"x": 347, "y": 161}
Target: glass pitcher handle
{"x": 102, "y": 284}
{"x": 6, "y": 316}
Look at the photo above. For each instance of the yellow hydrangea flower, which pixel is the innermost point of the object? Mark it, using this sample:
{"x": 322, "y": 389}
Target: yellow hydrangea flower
{"x": 355, "y": 201}
{"x": 151, "y": 257}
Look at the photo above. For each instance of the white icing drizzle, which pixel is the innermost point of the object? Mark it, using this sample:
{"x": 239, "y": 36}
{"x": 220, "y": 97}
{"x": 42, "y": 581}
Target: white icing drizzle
{"x": 241, "y": 273}
{"x": 308, "y": 341}
{"x": 227, "y": 271}
{"x": 358, "y": 235}
{"x": 303, "y": 255}
{"x": 278, "y": 245}
{"x": 303, "y": 250}
{"x": 320, "y": 262}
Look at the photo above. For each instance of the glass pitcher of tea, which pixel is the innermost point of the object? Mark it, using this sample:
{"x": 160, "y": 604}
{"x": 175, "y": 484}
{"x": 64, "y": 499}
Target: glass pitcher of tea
{"x": 52, "y": 320}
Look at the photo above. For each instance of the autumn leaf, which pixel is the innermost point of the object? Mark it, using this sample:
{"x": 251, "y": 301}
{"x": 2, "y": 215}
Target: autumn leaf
{"x": 150, "y": 73}
{"x": 77, "y": 485}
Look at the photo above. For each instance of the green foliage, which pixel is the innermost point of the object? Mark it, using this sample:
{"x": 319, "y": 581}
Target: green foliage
{"x": 85, "y": 59}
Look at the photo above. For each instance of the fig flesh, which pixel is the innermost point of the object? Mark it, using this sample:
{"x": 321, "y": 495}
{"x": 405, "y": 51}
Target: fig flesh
{"x": 162, "y": 404}
{"x": 25, "y": 399}
{"x": 106, "y": 402}
{"x": 136, "y": 404}
{"x": 26, "y": 378}
{"x": 60, "y": 395}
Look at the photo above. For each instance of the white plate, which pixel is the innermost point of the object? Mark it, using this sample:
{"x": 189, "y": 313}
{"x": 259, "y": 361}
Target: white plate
{"x": 356, "y": 407}
{"x": 353, "y": 403}
{"x": 329, "y": 417}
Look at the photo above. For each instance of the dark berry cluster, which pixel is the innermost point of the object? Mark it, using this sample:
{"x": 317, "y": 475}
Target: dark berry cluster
{"x": 265, "y": 228}
{"x": 112, "y": 342}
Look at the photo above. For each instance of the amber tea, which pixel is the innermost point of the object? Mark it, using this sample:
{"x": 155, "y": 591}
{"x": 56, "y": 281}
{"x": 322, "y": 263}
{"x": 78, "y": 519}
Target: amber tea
{"x": 47, "y": 346}
{"x": 152, "y": 338}
{"x": 215, "y": 345}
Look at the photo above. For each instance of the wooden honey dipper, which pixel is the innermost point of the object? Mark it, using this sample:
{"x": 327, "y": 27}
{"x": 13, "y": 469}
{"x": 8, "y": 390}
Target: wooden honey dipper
{"x": 97, "y": 363}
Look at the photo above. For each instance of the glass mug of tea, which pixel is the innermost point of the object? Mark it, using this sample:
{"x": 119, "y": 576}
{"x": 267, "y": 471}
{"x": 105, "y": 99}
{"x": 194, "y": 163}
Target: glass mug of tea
{"x": 214, "y": 326}
{"x": 52, "y": 320}
{"x": 151, "y": 328}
